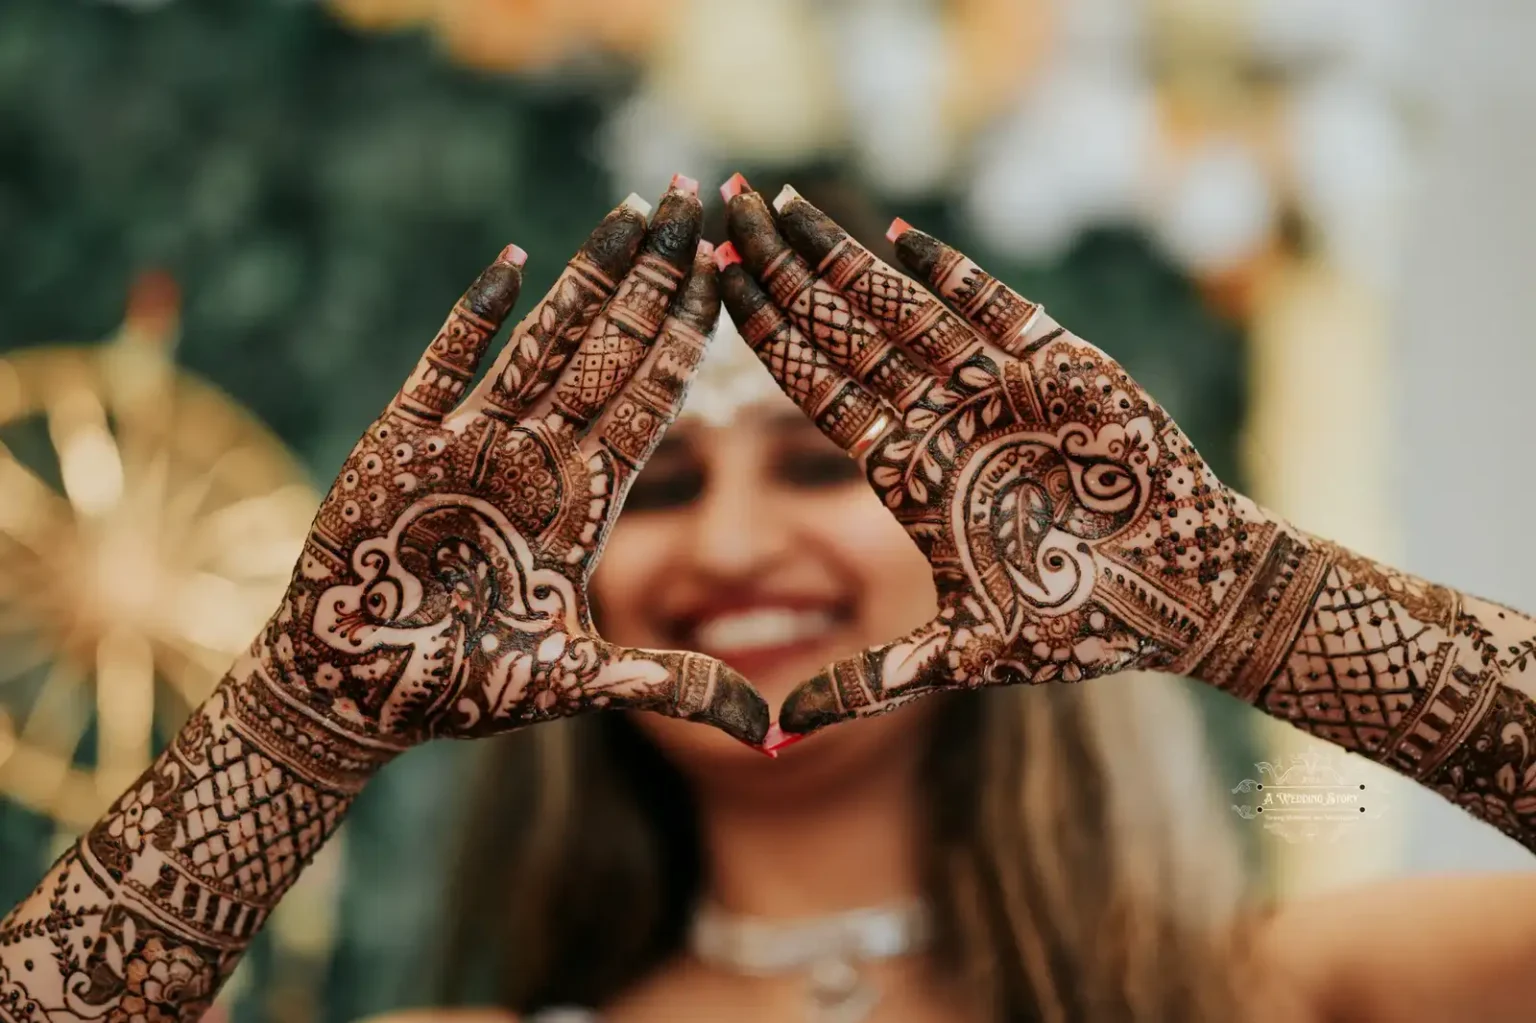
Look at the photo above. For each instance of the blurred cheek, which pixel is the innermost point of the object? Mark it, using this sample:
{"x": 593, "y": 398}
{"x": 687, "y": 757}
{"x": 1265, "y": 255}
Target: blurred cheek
{"x": 894, "y": 580}
{"x": 635, "y": 558}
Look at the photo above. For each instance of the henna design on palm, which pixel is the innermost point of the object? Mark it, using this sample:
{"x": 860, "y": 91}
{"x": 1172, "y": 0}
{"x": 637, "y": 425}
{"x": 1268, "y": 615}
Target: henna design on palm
{"x": 1020, "y": 474}
{"x": 441, "y": 592}
{"x": 1074, "y": 531}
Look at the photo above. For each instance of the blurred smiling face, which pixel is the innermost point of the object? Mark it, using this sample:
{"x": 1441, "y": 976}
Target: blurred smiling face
{"x": 759, "y": 542}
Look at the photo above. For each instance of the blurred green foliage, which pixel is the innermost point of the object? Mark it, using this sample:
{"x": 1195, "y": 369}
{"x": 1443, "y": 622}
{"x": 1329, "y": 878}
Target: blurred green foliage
{"x": 322, "y": 198}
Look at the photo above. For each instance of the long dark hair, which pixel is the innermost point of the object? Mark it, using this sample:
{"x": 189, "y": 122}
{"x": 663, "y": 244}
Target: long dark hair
{"x": 582, "y": 866}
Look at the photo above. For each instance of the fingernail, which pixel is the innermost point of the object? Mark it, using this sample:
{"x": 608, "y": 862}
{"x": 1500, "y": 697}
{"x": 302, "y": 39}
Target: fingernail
{"x": 637, "y": 204}
{"x": 734, "y": 186}
{"x": 513, "y": 255}
{"x": 706, "y": 248}
{"x": 726, "y": 255}
{"x": 775, "y": 739}
{"x": 898, "y": 228}
{"x": 786, "y": 195}
{"x": 683, "y": 183}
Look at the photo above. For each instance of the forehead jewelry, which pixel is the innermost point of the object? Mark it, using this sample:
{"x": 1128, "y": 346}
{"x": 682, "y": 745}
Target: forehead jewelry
{"x": 729, "y": 379}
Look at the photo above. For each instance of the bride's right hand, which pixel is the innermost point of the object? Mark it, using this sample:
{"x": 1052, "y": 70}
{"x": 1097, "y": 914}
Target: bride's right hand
{"x": 442, "y": 588}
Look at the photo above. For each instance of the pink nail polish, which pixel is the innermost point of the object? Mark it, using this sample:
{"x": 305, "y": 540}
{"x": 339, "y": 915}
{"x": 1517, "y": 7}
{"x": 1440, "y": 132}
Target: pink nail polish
{"x": 757, "y": 749}
{"x": 776, "y": 739}
{"x": 726, "y": 255}
{"x": 734, "y": 186}
{"x": 683, "y": 183}
{"x": 898, "y": 228}
{"x": 706, "y": 248}
{"x": 513, "y": 255}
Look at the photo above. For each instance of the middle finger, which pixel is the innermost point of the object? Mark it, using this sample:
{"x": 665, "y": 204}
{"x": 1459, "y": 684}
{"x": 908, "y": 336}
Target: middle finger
{"x": 624, "y": 330}
{"x": 821, "y": 313}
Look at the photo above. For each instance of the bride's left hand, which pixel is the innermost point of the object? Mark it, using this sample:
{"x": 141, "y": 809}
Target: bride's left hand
{"x": 1072, "y": 528}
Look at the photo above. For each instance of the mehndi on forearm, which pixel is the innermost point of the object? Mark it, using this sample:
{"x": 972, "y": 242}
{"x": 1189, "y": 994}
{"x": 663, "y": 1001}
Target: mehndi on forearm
{"x": 1431, "y": 682}
{"x": 147, "y": 915}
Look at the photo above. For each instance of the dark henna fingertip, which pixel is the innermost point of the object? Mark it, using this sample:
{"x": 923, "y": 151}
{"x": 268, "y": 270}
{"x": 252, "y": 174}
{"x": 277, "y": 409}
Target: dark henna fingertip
{"x": 811, "y": 707}
{"x": 495, "y": 291}
{"x": 786, "y": 196}
{"x": 919, "y": 252}
{"x": 739, "y": 293}
{"x": 751, "y": 227}
{"x": 809, "y": 231}
{"x": 699, "y": 304}
{"x": 613, "y": 244}
{"x": 674, "y": 230}
{"x": 738, "y": 709}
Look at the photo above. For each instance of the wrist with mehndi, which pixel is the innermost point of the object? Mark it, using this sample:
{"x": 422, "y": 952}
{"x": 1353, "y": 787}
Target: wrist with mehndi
{"x": 303, "y": 708}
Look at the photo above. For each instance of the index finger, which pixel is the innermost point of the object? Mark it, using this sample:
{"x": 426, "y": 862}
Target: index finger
{"x": 626, "y": 327}
{"x": 448, "y": 365}
{"x": 906, "y": 311}
{"x": 532, "y": 357}
{"x": 634, "y": 421}
{"x": 1002, "y": 315}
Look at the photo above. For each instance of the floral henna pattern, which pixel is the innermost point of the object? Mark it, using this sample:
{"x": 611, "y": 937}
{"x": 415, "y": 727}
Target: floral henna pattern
{"x": 1074, "y": 531}
{"x": 441, "y": 592}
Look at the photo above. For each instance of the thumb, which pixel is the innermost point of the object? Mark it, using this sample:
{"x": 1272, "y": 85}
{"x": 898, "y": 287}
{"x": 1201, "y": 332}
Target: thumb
{"x": 683, "y": 685}
{"x": 873, "y": 682}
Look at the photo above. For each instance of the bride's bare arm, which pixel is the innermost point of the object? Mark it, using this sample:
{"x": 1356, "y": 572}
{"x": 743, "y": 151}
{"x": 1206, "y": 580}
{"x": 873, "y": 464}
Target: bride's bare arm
{"x": 1435, "y": 949}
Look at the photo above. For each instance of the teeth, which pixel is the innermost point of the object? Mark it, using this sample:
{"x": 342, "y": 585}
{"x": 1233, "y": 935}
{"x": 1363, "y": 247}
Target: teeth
{"x": 768, "y": 627}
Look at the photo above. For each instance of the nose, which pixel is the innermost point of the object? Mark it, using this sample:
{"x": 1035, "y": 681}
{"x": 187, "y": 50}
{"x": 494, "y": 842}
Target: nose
{"x": 739, "y": 528}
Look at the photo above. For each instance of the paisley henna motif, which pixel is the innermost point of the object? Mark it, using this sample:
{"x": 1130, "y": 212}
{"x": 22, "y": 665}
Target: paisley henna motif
{"x": 1074, "y": 531}
{"x": 441, "y": 592}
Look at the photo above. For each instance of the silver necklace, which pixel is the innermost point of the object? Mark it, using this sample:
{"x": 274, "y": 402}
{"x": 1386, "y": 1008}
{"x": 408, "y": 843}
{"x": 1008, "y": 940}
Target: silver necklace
{"x": 828, "y": 950}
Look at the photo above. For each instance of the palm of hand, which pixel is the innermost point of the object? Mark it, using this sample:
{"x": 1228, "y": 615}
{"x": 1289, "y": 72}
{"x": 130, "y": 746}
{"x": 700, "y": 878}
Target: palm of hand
{"x": 1073, "y": 529}
{"x": 462, "y": 578}
{"x": 1047, "y": 499}
{"x": 442, "y": 590}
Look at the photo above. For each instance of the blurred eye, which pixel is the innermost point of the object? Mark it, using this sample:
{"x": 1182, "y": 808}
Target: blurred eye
{"x": 660, "y": 487}
{"x": 817, "y": 468}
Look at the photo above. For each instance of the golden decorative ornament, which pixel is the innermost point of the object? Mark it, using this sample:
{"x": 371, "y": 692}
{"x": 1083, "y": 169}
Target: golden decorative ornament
{"x": 148, "y": 526}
